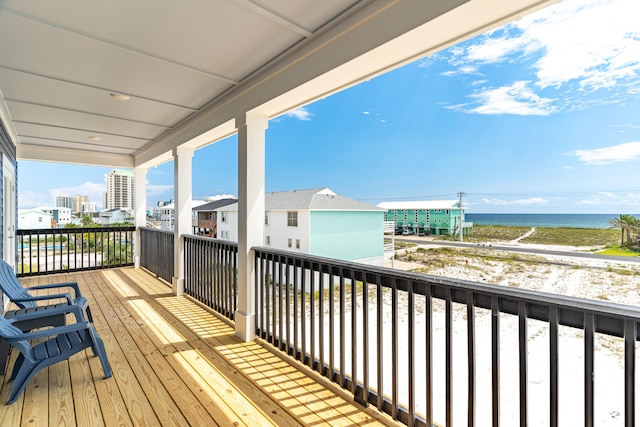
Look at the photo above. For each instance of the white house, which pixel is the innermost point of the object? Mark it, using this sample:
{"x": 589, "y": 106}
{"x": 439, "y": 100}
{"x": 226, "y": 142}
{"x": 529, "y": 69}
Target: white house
{"x": 34, "y": 219}
{"x": 317, "y": 222}
{"x": 167, "y": 214}
{"x": 60, "y": 216}
{"x": 114, "y": 216}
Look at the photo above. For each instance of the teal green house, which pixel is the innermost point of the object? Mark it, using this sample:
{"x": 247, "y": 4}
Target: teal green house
{"x": 320, "y": 222}
{"x": 317, "y": 222}
{"x": 438, "y": 217}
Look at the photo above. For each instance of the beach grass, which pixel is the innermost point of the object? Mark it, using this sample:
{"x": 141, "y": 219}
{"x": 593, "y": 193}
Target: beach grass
{"x": 617, "y": 252}
{"x": 563, "y": 236}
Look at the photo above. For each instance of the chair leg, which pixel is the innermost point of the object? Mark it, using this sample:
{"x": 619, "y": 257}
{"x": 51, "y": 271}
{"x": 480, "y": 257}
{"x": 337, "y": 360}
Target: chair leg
{"x": 27, "y": 372}
{"x": 17, "y": 366}
{"x": 5, "y": 349}
{"x": 97, "y": 345}
{"x": 89, "y": 315}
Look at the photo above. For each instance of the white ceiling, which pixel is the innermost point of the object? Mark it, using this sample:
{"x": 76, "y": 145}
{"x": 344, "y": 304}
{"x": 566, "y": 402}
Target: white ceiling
{"x": 191, "y": 66}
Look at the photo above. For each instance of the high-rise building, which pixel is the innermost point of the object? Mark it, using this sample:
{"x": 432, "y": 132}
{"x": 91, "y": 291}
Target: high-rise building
{"x": 72, "y": 202}
{"x": 120, "y": 191}
{"x": 66, "y": 202}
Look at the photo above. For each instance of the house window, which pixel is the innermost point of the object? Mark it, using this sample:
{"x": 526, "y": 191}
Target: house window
{"x": 447, "y": 212}
{"x": 39, "y": 219}
{"x": 289, "y": 242}
{"x": 223, "y": 215}
{"x": 266, "y": 218}
{"x": 297, "y": 243}
{"x": 268, "y": 240}
{"x": 292, "y": 219}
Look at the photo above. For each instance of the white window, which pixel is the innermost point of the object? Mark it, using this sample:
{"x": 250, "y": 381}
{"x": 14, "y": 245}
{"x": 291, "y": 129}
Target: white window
{"x": 268, "y": 240}
{"x": 292, "y": 219}
{"x": 289, "y": 242}
{"x": 266, "y": 218}
{"x": 297, "y": 243}
{"x": 223, "y": 216}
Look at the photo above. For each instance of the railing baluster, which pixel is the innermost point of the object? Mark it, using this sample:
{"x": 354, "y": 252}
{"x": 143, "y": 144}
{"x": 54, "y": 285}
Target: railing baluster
{"x": 365, "y": 338}
{"x": 321, "y": 337}
{"x": 630, "y": 334}
{"x": 342, "y": 331}
{"x": 589, "y": 330}
{"x": 410, "y": 350}
{"x": 312, "y": 317}
{"x": 553, "y": 366}
{"x": 380, "y": 344}
{"x": 523, "y": 356}
{"x": 354, "y": 336}
{"x": 287, "y": 304}
{"x": 332, "y": 325}
{"x": 448, "y": 356}
{"x": 296, "y": 314}
{"x": 428, "y": 330}
{"x": 471, "y": 360}
{"x": 495, "y": 361}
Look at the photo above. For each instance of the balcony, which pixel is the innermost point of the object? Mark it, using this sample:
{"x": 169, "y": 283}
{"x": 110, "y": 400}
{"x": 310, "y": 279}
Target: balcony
{"x": 174, "y": 363}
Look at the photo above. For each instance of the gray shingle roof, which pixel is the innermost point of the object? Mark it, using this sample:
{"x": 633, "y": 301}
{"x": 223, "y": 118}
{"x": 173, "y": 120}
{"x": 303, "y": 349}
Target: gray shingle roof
{"x": 313, "y": 199}
{"x": 215, "y": 205}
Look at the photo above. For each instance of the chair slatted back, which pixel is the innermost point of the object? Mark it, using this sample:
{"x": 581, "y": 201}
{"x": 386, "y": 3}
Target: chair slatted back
{"x": 10, "y": 285}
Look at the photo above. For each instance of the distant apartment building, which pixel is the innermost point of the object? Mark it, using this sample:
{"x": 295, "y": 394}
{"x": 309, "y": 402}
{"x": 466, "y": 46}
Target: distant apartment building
{"x": 438, "y": 217}
{"x": 114, "y": 216}
{"x": 120, "y": 190}
{"x": 75, "y": 203}
{"x": 89, "y": 207}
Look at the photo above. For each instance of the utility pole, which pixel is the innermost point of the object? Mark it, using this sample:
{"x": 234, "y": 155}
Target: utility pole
{"x": 460, "y": 195}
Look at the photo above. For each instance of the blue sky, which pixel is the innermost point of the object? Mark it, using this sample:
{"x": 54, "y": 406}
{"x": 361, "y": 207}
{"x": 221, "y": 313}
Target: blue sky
{"x": 540, "y": 116}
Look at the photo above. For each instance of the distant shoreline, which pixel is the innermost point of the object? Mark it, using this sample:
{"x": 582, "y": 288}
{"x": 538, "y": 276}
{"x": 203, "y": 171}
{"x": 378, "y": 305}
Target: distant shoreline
{"x": 542, "y": 220}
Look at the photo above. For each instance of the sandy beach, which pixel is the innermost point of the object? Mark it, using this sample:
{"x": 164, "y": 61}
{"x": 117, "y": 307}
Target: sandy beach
{"x": 613, "y": 281}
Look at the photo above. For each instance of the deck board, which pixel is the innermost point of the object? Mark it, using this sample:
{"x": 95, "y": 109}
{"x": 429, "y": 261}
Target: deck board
{"x": 174, "y": 364}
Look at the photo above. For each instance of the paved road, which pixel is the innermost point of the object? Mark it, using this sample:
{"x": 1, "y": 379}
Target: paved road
{"x": 523, "y": 250}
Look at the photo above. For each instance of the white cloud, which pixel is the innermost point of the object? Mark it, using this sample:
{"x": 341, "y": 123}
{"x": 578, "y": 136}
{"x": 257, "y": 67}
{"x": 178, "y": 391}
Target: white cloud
{"x": 605, "y": 198}
{"x": 518, "y": 202}
{"x": 157, "y": 189}
{"x": 32, "y": 199}
{"x": 590, "y": 44}
{"x": 625, "y": 152}
{"x": 219, "y": 197}
{"x": 366, "y": 113}
{"x": 300, "y": 114}
{"x": 515, "y": 99}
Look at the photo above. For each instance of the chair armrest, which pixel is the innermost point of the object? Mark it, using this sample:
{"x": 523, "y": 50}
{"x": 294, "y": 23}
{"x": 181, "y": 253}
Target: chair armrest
{"x": 66, "y": 296}
{"x": 73, "y": 285}
{"x": 44, "y": 333}
{"x": 52, "y": 311}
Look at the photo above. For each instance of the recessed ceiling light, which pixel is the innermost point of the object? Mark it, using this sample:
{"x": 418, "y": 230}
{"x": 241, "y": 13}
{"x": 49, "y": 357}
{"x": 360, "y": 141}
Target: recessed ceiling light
{"x": 119, "y": 96}
{"x": 94, "y": 138}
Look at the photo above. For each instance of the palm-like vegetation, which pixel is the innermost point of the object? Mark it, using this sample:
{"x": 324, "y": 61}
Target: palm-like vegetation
{"x": 629, "y": 227}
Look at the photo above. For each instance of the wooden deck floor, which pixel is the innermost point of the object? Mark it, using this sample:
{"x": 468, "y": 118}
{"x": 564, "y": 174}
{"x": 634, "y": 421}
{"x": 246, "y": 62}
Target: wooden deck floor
{"x": 173, "y": 363}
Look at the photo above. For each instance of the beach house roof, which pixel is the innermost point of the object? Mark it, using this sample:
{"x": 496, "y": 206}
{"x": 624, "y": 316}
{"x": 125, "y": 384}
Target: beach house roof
{"x": 420, "y": 204}
{"x": 215, "y": 204}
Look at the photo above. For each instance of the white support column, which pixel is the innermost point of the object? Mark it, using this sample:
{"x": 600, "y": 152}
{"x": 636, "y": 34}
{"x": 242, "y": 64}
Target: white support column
{"x": 251, "y": 167}
{"x": 140, "y": 204}
{"x": 182, "y": 178}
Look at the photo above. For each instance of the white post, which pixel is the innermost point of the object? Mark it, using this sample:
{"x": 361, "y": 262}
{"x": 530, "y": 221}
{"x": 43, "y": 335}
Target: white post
{"x": 182, "y": 176}
{"x": 140, "y": 206}
{"x": 251, "y": 187}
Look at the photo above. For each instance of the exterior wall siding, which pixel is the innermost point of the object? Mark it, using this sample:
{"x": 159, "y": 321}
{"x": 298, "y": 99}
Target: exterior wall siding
{"x": 9, "y": 150}
{"x": 347, "y": 235}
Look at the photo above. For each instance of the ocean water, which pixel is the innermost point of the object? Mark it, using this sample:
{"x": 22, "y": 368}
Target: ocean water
{"x": 543, "y": 220}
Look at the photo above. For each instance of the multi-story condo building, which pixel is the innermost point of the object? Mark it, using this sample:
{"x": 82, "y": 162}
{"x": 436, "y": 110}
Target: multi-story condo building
{"x": 120, "y": 190}
{"x": 66, "y": 202}
{"x": 74, "y": 203}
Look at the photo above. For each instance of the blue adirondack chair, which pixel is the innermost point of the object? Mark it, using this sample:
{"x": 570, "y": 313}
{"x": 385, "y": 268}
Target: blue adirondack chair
{"x": 20, "y": 295}
{"x": 63, "y": 342}
{"x": 54, "y": 314}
